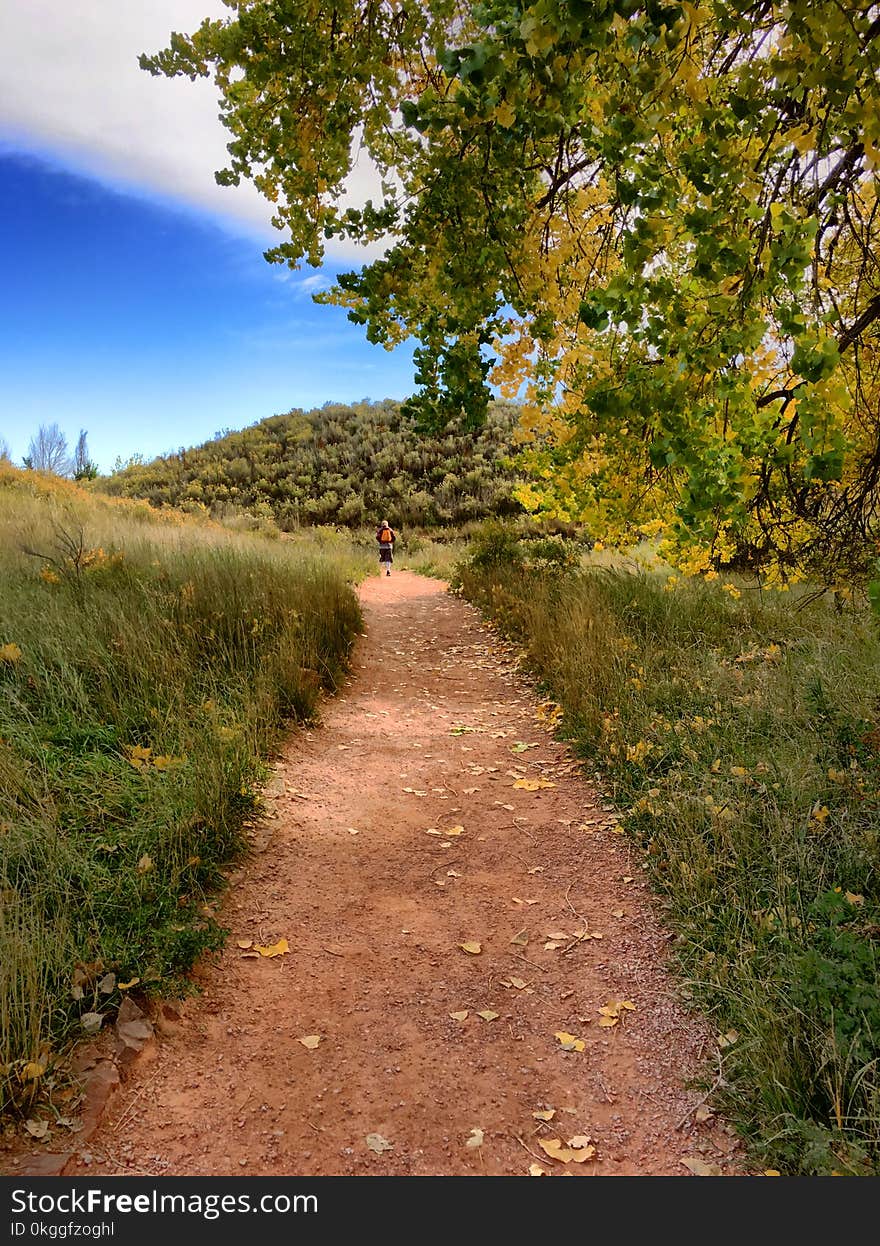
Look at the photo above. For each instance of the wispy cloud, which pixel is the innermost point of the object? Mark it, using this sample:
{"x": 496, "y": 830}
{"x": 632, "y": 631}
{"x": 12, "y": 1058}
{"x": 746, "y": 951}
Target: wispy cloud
{"x": 70, "y": 87}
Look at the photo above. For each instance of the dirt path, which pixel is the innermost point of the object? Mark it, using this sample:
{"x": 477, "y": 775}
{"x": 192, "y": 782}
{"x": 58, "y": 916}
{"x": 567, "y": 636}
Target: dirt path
{"x": 426, "y": 736}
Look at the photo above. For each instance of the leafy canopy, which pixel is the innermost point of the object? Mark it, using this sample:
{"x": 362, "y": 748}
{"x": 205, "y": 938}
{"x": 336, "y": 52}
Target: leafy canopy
{"x": 656, "y": 222}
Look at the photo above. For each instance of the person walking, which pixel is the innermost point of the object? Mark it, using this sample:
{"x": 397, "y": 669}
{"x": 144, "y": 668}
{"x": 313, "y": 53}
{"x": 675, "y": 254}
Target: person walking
{"x": 386, "y": 538}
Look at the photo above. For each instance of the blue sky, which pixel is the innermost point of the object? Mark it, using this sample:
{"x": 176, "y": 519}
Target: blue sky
{"x": 136, "y": 303}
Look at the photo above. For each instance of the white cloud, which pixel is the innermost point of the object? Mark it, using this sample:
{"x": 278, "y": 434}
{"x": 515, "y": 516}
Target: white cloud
{"x": 70, "y": 87}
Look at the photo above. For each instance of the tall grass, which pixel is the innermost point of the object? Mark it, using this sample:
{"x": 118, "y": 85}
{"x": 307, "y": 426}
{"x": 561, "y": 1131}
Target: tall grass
{"x": 741, "y": 739}
{"x": 146, "y": 668}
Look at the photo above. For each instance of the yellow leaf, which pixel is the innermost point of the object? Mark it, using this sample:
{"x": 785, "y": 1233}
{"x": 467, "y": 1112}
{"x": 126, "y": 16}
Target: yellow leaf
{"x": 857, "y": 900}
{"x": 556, "y": 934}
{"x": 166, "y": 762}
{"x": 126, "y": 986}
{"x": 519, "y": 983}
{"x": 10, "y": 653}
{"x": 565, "y": 1155}
{"x": 145, "y": 864}
{"x": 728, "y": 1039}
{"x": 608, "y": 1022}
{"x": 310, "y": 1041}
{"x": 472, "y": 947}
{"x": 32, "y": 1071}
{"x": 455, "y": 830}
{"x": 580, "y": 1141}
{"x": 275, "y": 949}
{"x": 535, "y": 1170}
{"x": 545, "y": 1115}
{"x": 487, "y": 1014}
{"x": 771, "y": 1172}
{"x": 505, "y": 114}
{"x": 700, "y": 1168}
{"x": 475, "y": 1139}
{"x": 138, "y": 757}
{"x": 617, "y": 912}
{"x": 459, "y": 1016}
{"x": 245, "y": 943}
{"x": 520, "y": 939}
{"x": 533, "y": 785}
{"x": 569, "y": 1042}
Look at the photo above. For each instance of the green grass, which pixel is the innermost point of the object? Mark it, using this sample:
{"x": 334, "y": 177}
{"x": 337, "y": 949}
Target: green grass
{"x": 740, "y": 738}
{"x": 147, "y": 668}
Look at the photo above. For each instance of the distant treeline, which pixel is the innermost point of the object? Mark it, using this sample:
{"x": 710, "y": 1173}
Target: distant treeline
{"x": 347, "y": 465}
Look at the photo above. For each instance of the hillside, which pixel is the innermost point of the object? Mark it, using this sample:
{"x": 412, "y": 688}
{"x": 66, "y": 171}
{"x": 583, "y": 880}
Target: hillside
{"x": 348, "y": 465}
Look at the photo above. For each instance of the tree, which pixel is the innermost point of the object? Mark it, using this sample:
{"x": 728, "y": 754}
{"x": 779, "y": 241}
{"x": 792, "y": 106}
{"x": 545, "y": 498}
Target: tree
{"x": 655, "y": 221}
{"x": 48, "y": 451}
{"x": 83, "y": 467}
{"x": 5, "y": 456}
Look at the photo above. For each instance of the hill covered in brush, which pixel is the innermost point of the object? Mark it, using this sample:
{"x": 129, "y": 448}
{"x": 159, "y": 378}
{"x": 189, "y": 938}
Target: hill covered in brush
{"x": 348, "y": 465}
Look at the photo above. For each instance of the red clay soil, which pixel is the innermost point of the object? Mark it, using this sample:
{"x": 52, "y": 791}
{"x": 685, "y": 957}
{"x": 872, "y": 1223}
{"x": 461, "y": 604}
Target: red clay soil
{"x": 375, "y": 904}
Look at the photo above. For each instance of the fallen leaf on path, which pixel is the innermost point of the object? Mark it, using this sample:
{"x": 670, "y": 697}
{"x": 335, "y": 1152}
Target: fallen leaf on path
{"x": 522, "y": 747}
{"x": 536, "y": 869}
{"x": 501, "y": 805}
{"x": 37, "y": 1129}
{"x": 470, "y": 791}
{"x": 281, "y": 948}
{"x": 439, "y": 882}
{"x": 520, "y": 939}
{"x": 617, "y": 913}
{"x": 432, "y": 830}
{"x": 533, "y": 785}
{"x": 353, "y": 831}
{"x": 126, "y": 986}
{"x": 555, "y": 934}
{"x": 472, "y": 947}
{"x": 569, "y": 1042}
{"x": 551, "y": 946}
{"x": 378, "y": 1144}
{"x": 703, "y": 1114}
{"x": 475, "y": 1140}
{"x": 452, "y": 874}
{"x": 488, "y": 1015}
{"x": 244, "y": 944}
{"x": 546, "y": 1115}
{"x": 519, "y": 983}
{"x": 91, "y": 1022}
{"x": 700, "y": 1168}
{"x": 728, "y": 1039}
{"x": 614, "y": 1010}
{"x": 455, "y": 830}
{"x": 535, "y": 1170}
{"x": 310, "y": 1041}
{"x": 460, "y": 1016}
{"x": 579, "y": 1141}
{"x": 445, "y": 843}
{"x": 566, "y": 1154}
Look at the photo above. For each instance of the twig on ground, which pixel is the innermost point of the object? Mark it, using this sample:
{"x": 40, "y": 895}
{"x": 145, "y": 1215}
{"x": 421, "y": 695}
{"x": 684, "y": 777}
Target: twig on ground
{"x": 539, "y": 1158}
{"x": 126, "y": 1115}
{"x": 719, "y": 1081}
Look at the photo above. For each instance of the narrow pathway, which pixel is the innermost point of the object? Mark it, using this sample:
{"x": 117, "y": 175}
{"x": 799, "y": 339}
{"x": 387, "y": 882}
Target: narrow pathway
{"x": 402, "y": 831}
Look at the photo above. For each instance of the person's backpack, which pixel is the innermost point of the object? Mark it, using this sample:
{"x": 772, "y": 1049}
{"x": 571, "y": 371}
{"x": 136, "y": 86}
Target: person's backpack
{"x": 385, "y": 536}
